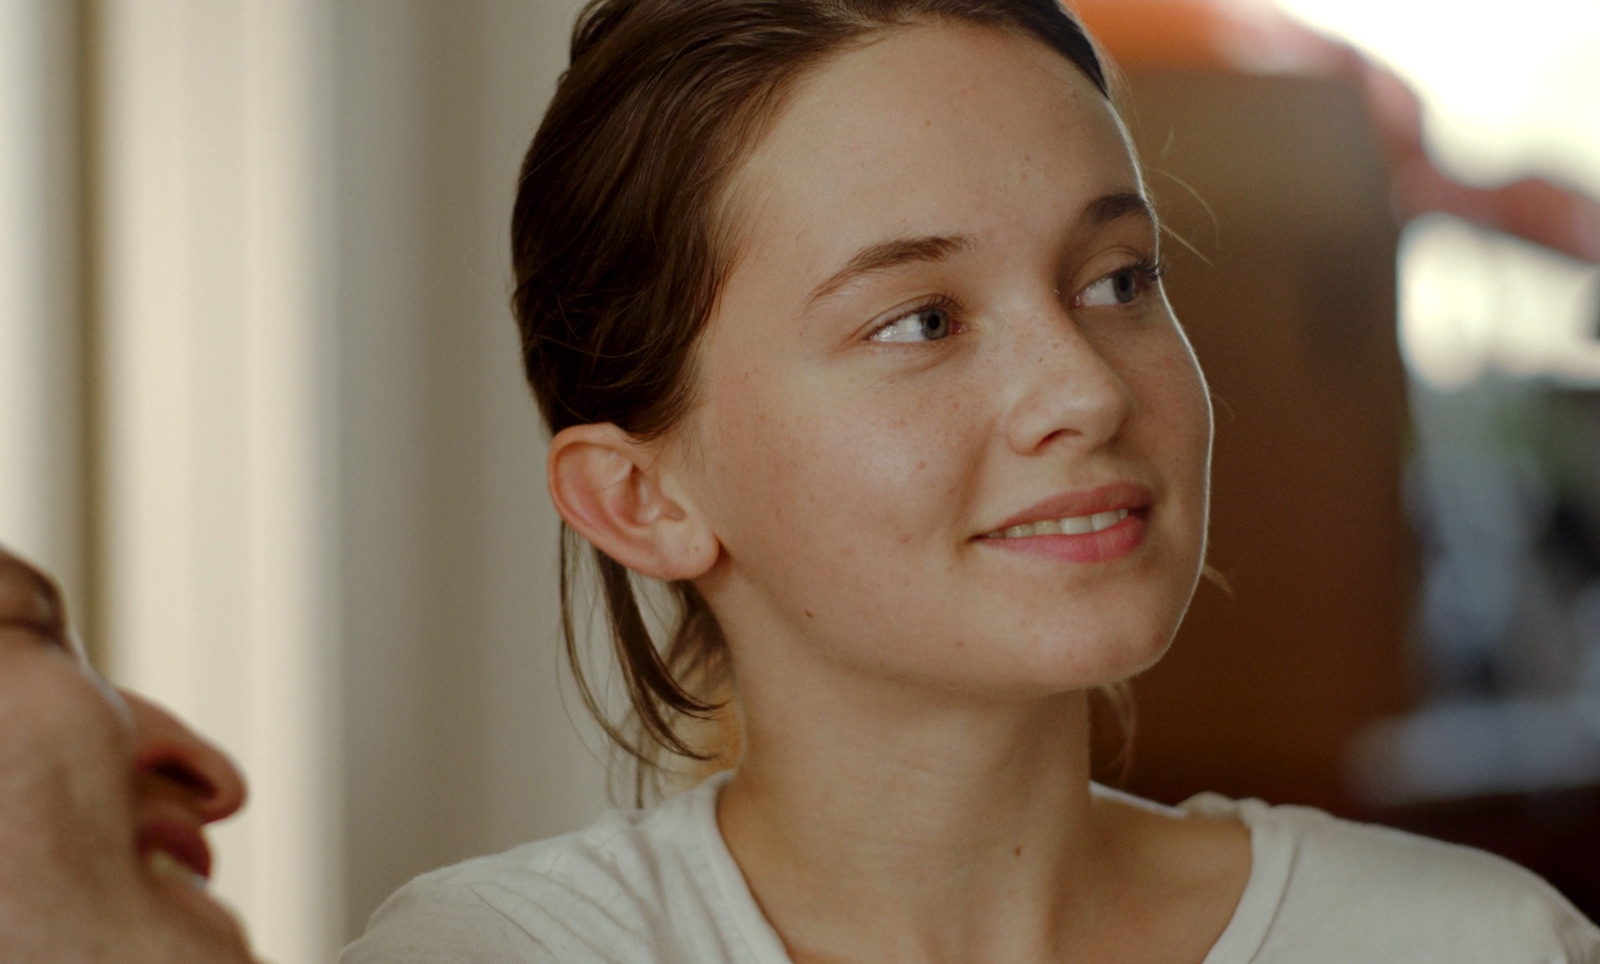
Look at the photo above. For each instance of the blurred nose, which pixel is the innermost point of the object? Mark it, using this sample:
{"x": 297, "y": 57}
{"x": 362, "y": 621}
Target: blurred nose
{"x": 1070, "y": 395}
{"x": 178, "y": 758}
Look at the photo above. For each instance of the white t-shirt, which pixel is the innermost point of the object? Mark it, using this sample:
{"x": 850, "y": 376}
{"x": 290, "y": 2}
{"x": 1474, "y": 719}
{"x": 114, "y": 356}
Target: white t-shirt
{"x": 660, "y": 886}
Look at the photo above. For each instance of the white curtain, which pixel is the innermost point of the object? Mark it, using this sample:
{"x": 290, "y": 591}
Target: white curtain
{"x": 215, "y": 246}
{"x": 260, "y": 407}
{"x": 41, "y": 401}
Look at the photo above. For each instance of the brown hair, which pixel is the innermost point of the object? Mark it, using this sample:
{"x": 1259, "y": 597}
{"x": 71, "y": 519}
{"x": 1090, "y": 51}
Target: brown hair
{"x": 620, "y": 249}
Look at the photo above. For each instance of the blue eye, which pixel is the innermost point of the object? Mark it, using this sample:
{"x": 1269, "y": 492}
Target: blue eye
{"x": 928, "y": 323}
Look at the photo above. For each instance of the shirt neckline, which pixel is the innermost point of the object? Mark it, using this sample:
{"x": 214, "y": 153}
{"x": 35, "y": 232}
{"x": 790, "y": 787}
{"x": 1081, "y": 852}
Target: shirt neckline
{"x": 1271, "y": 858}
{"x": 751, "y": 923}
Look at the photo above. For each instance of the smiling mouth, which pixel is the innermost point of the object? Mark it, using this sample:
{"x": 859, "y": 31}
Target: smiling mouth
{"x": 1078, "y": 525}
{"x": 172, "y": 849}
{"x": 163, "y": 864}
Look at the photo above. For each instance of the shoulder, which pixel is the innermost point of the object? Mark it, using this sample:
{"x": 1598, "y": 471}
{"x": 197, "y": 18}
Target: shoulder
{"x": 630, "y": 886}
{"x": 1361, "y": 891}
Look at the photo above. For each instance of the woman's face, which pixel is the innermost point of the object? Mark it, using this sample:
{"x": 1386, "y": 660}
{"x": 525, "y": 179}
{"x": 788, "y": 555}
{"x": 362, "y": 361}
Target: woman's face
{"x": 945, "y": 326}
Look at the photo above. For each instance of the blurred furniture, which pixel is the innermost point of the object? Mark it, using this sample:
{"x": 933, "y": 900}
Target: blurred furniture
{"x": 1285, "y": 165}
{"x": 1279, "y": 182}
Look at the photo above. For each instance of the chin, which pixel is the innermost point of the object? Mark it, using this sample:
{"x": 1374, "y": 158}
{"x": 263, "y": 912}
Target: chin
{"x": 1100, "y": 656}
{"x": 207, "y": 920}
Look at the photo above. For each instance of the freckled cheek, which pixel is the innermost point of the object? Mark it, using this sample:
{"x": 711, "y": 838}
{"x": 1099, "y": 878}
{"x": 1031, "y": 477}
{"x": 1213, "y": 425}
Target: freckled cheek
{"x": 852, "y": 470}
{"x": 1194, "y": 408}
{"x": 1178, "y": 419}
{"x": 899, "y": 478}
{"x": 759, "y": 449}
{"x": 1169, "y": 391}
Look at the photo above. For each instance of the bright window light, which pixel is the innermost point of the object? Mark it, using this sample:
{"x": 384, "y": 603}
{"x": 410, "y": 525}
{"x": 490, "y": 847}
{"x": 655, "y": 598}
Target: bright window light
{"x": 1472, "y": 299}
{"x": 1507, "y": 87}
{"x": 1507, "y": 92}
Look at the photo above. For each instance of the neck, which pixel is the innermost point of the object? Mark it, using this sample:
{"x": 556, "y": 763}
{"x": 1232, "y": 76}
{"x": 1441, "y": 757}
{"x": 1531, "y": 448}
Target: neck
{"x": 922, "y": 828}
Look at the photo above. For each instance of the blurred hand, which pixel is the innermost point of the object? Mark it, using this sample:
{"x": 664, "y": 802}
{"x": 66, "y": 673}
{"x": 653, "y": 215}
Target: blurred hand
{"x": 103, "y": 798}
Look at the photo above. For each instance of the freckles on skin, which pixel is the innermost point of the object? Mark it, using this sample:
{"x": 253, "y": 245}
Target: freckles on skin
{"x": 829, "y": 481}
{"x": 797, "y": 457}
{"x": 848, "y": 480}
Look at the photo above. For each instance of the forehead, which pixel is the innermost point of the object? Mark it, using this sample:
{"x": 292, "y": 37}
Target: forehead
{"x": 926, "y": 126}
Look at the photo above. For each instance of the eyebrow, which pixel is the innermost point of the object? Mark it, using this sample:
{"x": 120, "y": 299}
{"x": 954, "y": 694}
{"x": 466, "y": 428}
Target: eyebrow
{"x": 933, "y": 249}
{"x": 929, "y": 249}
{"x": 1114, "y": 207}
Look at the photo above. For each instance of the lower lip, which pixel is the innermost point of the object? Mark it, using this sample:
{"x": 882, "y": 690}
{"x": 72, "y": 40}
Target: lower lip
{"x": 1103, "y": 546}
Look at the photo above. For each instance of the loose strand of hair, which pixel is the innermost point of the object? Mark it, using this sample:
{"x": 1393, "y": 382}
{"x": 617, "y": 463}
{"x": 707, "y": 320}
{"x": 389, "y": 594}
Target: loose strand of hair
{"x": 655, "y": 681}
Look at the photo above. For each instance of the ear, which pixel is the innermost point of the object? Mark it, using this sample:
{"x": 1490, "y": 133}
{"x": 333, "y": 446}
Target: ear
{"x": 608, "y": 488}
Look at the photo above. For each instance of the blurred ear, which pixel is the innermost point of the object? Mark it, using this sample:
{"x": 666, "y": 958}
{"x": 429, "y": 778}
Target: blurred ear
{"x": 606, "y": 485}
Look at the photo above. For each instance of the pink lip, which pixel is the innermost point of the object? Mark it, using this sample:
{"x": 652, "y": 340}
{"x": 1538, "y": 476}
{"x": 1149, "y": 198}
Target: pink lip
{"x": 184, "y": 843}
{"x": 1107, "y": 544}
{"x": 1106, "y": 498}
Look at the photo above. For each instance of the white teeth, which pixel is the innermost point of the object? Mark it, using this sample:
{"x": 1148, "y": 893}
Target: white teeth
{"x": 163, "y": 864}
{"x": 1080, "y": 525}
{"x": 1105, "y": 520}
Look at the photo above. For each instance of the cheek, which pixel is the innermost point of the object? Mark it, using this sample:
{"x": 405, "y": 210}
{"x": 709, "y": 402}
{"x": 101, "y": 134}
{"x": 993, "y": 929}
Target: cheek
{"x": 1179, "y": 443}
{"x": 837, "y": 468}
{"x": 1199, "y": 428}
{"x": 65, "y": 760}
{"x": 1176, "y": 407}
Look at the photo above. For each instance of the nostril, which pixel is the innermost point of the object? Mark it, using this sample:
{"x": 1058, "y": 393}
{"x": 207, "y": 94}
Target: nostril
{"x": 182, "y": 774}
{"x": 170, "y": 757}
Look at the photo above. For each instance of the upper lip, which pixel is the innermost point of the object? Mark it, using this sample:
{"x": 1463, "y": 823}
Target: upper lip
{"x": 183, "y": 841}
{"x": 1105, "y": 498}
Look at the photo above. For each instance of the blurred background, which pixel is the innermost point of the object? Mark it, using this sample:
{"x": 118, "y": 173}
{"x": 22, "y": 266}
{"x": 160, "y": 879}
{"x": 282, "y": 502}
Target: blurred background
{"x": 261, "y": 412}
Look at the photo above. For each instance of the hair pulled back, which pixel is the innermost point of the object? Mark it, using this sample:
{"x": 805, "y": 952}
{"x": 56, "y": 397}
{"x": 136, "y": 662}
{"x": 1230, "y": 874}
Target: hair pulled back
{"x": 620, "y": 246}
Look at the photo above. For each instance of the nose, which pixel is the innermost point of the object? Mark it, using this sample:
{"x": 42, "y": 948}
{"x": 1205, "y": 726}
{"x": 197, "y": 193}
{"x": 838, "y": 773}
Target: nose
{"x": 1067, "y": 391}
{"x": 185, "y": 764}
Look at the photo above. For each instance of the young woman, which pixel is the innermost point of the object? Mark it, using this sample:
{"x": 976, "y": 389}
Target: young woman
{"x": 846, "y": 318}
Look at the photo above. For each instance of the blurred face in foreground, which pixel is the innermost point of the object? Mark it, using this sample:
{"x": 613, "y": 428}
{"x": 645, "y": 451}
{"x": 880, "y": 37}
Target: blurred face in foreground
{"x": 948, "y": 432}
{"x": 103, "y": 798}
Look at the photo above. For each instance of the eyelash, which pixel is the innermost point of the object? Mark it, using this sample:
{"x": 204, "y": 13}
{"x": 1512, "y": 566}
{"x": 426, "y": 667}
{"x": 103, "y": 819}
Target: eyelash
{"x": 47, "y": 630}
{"x": 1147, "y": 272}
{"x": 939, "y": 302}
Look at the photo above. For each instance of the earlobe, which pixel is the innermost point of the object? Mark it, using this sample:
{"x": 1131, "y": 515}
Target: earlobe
{"x": 605, "y": 484}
